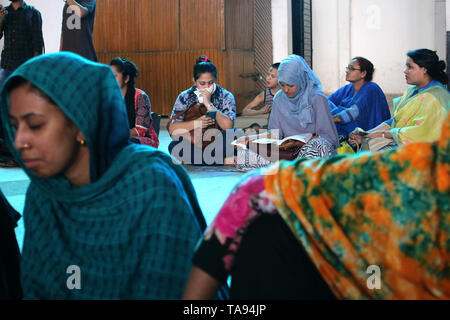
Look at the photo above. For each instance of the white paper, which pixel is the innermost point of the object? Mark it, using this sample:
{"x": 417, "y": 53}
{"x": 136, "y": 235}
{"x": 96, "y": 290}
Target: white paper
{"x": 299, "y": 137}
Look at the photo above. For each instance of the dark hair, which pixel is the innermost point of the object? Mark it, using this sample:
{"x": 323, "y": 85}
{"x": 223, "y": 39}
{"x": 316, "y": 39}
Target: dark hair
{"x": 204, "y": 65}
{"x": 429, "y": 60}
{"x": 275, "y": 65}
{"x": 367, "y": 66}
{"x": 128, "y": 69}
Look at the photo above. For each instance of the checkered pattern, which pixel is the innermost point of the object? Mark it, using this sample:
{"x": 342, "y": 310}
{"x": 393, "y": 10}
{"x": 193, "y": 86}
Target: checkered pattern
{"x": 23, "y": 36}
{"x": 132, "y": 232}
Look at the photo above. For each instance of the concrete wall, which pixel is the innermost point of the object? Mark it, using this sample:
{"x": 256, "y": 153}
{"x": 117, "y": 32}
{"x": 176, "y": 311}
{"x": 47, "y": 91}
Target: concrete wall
{"x": 51, "y": 11}
{"x": 380, "y": 30}
{"x": 447, "y": 11}
{"x": 281, "y": 29}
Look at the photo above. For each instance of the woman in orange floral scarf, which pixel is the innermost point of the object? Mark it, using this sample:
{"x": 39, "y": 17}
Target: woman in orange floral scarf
{"x": 348, "y": 216}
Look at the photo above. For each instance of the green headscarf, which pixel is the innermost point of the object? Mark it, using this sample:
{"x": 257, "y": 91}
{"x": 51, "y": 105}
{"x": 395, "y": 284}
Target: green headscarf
{"x": 131, "y": 231}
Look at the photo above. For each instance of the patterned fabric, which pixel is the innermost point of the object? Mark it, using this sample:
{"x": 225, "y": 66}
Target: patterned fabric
{"x": 248, "y": 200}
{"x": 133, "y": 229}
{"x": 370, "y": 103}
{"x": 389, "y": 210}
{"x": 77, "y": 34}
{"x": 315, "y": 148}
{"x": 147, "y": 134}
{"x": 221, "y": 99}
{"x": 418, "y": 116}
{"x": 350, "y": 212}
{"x": 22, "y": 29}
{"x": 248, "y": 160}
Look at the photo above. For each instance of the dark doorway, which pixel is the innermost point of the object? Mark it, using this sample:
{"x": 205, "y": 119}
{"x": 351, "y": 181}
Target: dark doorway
{"x": 302, "y": 29}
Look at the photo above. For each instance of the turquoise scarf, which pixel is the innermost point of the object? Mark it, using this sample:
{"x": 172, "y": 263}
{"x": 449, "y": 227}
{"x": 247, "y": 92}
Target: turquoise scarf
{"x": 130, "y": 234}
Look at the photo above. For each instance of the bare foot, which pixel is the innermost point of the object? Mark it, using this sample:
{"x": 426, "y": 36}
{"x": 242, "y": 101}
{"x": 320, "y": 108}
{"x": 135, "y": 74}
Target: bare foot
{"x": 230, "y": 161}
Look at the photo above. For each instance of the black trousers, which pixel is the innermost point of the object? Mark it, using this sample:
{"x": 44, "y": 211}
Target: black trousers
{"x": 272, "y": 264}
{"x": 10, "y": 287}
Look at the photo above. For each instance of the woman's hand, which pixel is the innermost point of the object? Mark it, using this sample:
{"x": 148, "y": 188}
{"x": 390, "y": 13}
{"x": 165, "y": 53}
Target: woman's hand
{"x": 3, "y": 13}
{"x": 244, "y": 140}
{"x": 206, "y": 95}
{"x": 337, "y": 119}
{"x": 354, "y": 139}
{"x": 134, "y": 132}
{"x": 203, "y": 122}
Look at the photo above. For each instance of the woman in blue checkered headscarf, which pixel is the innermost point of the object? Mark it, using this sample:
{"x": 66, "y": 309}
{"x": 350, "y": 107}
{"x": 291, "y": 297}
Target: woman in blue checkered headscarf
{"x": 97, "y": 226}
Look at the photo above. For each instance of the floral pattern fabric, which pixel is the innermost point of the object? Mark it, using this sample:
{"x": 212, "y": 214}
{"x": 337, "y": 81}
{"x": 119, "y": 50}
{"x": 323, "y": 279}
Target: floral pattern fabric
{"x": 388, "y": 209}
{"x": 144, "y": 127}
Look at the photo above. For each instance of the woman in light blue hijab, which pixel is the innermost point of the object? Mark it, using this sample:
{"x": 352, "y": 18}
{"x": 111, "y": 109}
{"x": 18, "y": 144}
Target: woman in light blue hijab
{"x": 300, "y": 107}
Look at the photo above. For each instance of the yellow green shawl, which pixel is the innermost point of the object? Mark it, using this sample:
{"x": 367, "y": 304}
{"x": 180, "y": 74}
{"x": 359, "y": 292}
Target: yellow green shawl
{"x": 419, "y": 117}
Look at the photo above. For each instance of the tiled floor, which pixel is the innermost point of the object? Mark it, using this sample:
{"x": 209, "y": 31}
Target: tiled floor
{"x": 212, "y": 184}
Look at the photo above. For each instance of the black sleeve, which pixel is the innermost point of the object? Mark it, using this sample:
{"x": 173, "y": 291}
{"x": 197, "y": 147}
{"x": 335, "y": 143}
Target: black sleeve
{"x": 36, "y": 32}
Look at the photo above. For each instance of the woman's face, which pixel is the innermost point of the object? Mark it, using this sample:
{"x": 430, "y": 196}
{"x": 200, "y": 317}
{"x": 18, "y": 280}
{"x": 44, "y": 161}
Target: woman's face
{"x": 289, "y": 90}
{"x": 44, "y": 136}
{"x": 354, "y": 73}
{"x": 414, "y": 74}
{"x": 205, "y": 80}
{"x": 272, "y": 78}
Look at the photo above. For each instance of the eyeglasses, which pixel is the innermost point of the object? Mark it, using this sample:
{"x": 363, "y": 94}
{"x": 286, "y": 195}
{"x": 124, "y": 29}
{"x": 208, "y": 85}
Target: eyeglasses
{"x": 350, "y": 68}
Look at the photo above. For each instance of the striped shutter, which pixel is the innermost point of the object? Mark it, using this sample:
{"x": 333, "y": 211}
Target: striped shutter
{"x": 262, "y": 40}
{"x": 302, "y": 29}
{"x": 307, "y": 32}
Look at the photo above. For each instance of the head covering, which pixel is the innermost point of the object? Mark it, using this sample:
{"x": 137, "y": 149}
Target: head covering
{"x": 87, "y": 94}
{"x": 131, "y": 232}
{"x": 294, "y": 70}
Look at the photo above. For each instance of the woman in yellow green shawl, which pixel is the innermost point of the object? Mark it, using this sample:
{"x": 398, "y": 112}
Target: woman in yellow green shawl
{"x": 419, "y": 113}
{"x": 364, "y": 226}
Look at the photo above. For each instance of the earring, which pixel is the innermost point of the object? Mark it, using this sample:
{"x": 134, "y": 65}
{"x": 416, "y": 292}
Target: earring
{"x": 82, "y": 142}
{"x": 26, "y": 146}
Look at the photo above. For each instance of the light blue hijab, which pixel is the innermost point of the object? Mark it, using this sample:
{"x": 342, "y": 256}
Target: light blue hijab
{"x": 294, "y": 70}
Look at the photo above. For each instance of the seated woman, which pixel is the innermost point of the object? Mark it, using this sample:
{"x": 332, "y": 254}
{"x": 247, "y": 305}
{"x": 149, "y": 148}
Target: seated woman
{"x": 138, "y": 104}
{"x": 299, "y": 108}
{"x": 367, "y": 226}
{"x": 361, "y": 103}
{"x": 97, "y": 226}
{"x": 221, "y": 102}
{"x": 264, "y": 99}
{"x": 419, "y": 113}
